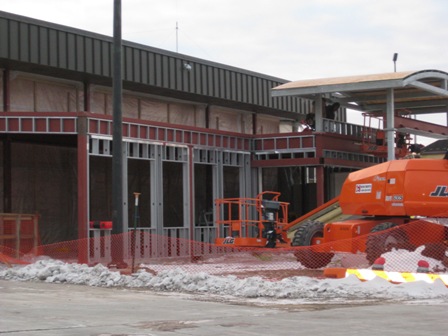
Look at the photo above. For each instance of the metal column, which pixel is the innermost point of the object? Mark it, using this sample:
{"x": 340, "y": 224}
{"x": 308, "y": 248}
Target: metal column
{"x": 245, "y": 176}
{"x": 390, "y": 127}
{"x": 187, "y": 180}
{"x": 218, "y": 176}
{"x": 157, "y": 190}
{"x": 318, "y": 113}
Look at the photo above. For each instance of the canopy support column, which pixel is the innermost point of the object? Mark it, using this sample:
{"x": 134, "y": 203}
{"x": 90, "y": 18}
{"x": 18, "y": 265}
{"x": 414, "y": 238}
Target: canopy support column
{"x": 318, "y": 115}
{"x": 390, "y": 125}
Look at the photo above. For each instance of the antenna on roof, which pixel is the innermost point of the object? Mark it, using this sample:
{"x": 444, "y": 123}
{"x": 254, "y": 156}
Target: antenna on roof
{"x": 395, "y": 61}
{"x": 177, "y": 37}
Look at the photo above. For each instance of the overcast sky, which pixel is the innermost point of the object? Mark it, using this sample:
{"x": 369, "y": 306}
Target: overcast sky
{"x": 289, "y": 39}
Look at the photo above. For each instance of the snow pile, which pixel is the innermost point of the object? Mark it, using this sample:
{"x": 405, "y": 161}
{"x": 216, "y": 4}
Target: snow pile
{"x": 181, "y": 281}
{"x": 399, "y": 260}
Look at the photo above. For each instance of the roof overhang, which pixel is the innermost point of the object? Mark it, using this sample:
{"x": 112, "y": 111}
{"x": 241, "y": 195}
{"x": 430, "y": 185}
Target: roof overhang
{"x": 415, "y": 92}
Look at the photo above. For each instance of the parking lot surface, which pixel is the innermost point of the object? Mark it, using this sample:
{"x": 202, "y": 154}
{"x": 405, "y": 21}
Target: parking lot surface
{"x": 35, "y": 309}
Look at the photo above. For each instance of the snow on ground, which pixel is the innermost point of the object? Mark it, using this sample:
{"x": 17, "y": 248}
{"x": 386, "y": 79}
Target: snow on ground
{"x": 397, "y": 260}
{"x": 204, "y": 279}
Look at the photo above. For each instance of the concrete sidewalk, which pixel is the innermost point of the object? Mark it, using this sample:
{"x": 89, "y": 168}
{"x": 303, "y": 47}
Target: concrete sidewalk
{"x": 35, "y": 309}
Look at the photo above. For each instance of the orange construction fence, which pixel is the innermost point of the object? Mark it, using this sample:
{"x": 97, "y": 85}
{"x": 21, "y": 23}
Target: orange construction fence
{"x": 402, "y": 247}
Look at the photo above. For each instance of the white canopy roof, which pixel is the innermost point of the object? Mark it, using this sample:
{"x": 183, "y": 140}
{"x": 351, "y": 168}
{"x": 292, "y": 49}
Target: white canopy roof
{"x": 418, "y": 92}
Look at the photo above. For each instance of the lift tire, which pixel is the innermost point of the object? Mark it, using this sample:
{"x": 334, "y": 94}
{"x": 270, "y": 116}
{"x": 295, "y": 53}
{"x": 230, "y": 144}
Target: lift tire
{"x": 304, "y": 237}
{"x": 378, "y": 244}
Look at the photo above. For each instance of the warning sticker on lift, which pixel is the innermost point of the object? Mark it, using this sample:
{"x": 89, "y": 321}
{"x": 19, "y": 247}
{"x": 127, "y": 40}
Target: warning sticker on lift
{"x": 365, "y": 188}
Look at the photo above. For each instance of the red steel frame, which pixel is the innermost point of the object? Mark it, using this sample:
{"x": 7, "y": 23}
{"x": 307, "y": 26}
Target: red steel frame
{"x": 84, "y": 124}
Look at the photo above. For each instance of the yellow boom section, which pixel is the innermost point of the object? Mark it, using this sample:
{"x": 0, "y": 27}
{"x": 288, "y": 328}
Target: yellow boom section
{"x": 327, "y": 212}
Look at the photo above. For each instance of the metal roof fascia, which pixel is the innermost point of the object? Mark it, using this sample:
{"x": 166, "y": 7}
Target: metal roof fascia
{"x": 424, "y": 74}
{"x": 421, "y": 104}
{"x": 429, "y": 110}
{"x": 357, "y": 86}
{"x": 415, "y": 80}
{"x": 429, "y": 88}
{"x": 416, "y": 110}
{"x": 297, "y": 91}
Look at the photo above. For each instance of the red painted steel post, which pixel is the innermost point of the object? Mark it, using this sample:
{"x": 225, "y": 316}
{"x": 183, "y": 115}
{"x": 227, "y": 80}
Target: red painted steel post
{"x": 320, "y": 181}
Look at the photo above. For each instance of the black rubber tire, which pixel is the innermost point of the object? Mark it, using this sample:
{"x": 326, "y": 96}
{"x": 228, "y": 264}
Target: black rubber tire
{"x": 306, "y": 232}
{"x": 304, "y": 237}
{"x": 378, "y": 244}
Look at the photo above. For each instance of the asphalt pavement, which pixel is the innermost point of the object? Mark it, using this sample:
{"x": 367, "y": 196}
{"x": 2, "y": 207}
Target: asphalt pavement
{"x": 46, "y": 309}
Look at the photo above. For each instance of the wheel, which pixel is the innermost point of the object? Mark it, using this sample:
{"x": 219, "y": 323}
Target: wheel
{"x": 304, "y": 237}
{"x": 378, "y": 244}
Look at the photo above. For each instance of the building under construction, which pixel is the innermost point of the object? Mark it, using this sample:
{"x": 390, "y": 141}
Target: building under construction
{"x": 194, "y": 131}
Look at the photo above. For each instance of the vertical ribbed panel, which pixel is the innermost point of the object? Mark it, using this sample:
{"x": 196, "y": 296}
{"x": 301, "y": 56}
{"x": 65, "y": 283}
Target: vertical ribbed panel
{"x": 71, "y": 52}
{"x": 62, "y": 50}
{"x": 4, "y": 39}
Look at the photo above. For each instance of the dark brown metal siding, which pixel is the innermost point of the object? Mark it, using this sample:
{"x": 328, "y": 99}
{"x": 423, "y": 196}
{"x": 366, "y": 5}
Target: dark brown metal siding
{"x": 32, "y": 41}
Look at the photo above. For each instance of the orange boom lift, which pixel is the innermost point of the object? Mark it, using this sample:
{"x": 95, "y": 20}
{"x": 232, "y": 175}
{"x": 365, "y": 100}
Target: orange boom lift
{"x": 385, "y": 197}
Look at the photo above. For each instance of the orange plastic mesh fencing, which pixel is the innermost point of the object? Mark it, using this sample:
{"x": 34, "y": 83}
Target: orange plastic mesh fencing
{"x": 402, "y": 247}
{"x": 10, "y": 256}
{"x": 70, "y": 251}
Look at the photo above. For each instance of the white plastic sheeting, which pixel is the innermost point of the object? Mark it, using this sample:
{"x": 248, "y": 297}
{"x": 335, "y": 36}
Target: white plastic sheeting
{"x": 145, "y": 108}
{"x": 41, "y": 94}
{"x": 230, "y": 120}
{"x": 37, "y": 95}
{"x": 266, "y": 125}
